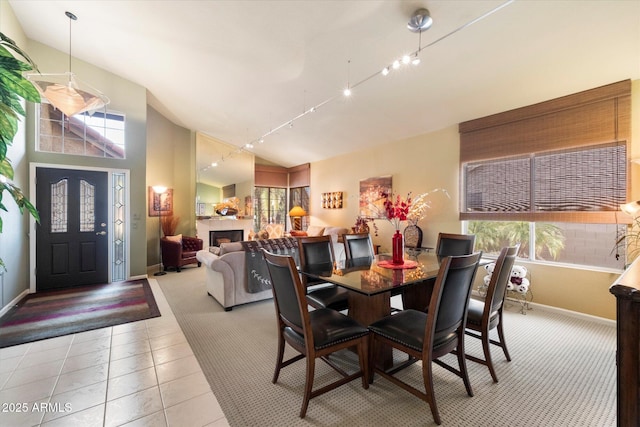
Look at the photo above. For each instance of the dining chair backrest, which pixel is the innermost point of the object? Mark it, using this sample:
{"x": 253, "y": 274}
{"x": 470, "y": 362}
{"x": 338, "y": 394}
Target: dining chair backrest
{"x": 452, "y": 290}
{"x": 316, "y": 252}
{"x": 288, "y": 290}
{"x": 358, "y": 247}
{"x": 455, "y": 244}
{"x": 500, "y": 278}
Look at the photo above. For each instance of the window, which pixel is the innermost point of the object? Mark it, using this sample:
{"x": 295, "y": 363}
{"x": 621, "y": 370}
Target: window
{"x": 99, "y": 134}
{"x": 551, "y": 177}
{"x": 271, "y": 205}
{"x": 590, "y": 245}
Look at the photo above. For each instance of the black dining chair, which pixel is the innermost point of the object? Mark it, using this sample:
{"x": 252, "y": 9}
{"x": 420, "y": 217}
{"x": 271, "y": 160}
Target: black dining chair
{"x": 429, "y": 336}
{"x": 358, "y": 249}
{"x": 450, "y": 244}
{"x": 483, "y": 316}
{"x": 314, "y": 334}
{"x": 316, "y": 254}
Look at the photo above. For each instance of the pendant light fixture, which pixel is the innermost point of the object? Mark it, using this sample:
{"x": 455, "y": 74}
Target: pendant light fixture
{"x": 67, "y": 93}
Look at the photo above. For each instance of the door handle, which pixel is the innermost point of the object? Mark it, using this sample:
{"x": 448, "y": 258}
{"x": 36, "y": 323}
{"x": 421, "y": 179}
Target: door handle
{"x": 101, "y": 233}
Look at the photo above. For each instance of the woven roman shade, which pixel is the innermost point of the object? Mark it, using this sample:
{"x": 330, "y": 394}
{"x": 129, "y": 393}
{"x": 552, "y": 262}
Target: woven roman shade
{"x": 562, "y": 160}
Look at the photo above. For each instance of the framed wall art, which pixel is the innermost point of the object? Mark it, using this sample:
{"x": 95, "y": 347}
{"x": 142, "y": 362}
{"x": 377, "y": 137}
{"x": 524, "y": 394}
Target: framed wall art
{"x": 161, "y": 204}
{"x": 371, "y": 201}
{"x": 332, "y": 200}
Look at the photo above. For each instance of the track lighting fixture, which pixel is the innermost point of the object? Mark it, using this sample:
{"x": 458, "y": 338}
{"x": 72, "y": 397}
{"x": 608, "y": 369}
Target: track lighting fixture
{"x": 420, "y": 21}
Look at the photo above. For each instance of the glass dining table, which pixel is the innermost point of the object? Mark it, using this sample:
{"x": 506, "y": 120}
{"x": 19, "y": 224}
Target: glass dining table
{"x": 372, "y": 282}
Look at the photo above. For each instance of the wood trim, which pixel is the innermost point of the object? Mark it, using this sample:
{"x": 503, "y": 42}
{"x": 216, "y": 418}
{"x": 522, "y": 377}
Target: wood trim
{"x": 608, "y": 92}
{"x": 271, "y": 176}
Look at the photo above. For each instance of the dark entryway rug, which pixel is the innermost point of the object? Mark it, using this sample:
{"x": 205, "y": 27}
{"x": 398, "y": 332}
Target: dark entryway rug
{"x": 67, "y": 311}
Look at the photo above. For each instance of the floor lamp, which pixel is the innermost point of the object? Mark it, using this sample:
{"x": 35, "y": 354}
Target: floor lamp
{"x": 159, "y": 190}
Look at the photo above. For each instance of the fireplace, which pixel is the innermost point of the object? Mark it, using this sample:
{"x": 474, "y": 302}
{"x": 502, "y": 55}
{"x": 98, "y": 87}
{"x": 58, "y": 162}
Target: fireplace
{"x": 225, "y": 236}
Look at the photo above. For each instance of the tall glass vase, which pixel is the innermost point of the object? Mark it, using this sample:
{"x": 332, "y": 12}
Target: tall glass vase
{"x": 397, "y": 245}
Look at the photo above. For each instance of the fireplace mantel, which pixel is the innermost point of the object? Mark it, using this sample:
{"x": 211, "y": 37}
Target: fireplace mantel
{"x": 204, "y": 226}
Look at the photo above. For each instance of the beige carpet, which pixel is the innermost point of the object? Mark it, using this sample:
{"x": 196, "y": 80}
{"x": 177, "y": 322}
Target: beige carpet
{"x": 562, "y": 372}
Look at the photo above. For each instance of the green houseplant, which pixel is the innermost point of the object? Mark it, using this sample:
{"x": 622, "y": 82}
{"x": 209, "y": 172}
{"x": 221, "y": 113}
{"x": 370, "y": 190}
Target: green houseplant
{"x": 13, "y": 87}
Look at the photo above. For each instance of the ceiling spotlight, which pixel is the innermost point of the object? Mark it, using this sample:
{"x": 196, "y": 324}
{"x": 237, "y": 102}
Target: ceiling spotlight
{"x": 347, "y": 92}
{"x": 396, "y": 64}
{"x": 249, "y": 145}
{"x": 261, "y": 140}
{"x": 385, "y": 71}
{"x": 214, "y": 164}
{"x": 420, "y": 20}
{"x": 406, "y": 59}
{"x": 291, "y": 124}
{"x": 312, "y": 110}
{"x": 415, "y": 60}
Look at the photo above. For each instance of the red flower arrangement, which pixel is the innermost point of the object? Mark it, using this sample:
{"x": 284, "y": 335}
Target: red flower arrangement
{"x": 396, "y": 209}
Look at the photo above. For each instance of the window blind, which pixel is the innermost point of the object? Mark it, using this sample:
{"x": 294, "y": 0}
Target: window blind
{"x": 561, "y": 160}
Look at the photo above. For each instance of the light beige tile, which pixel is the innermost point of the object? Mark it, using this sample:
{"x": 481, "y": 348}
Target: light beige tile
{"x": 3, "y": 378}
{"x": 133, "y": 406}
{"x": 131, "y": 349}
{"x": 185, "y": 388}
{"x": 9, "y": 364}
{"x": 81, "y": 378}
{"x": 178, "y": 368}
{"x": 23, "y": 415}
{"x": 157, "y": 419}
{"x": 160, "y": 322}
{"x": 174, "y": 352}
{"x": 222, "y": 422}
{"x": 129, "y": 327}
{"x": 14, "y": 351}
{"x": 158, "y": 331}
{"x": 129, "y": 337}
{"x": 130, "y": 364}
{"x": 131, "y": 383}
{"x": 92, "y": 335}
{"x": 63, "y": 341}
{"x": 79, "y": 399}
{"x": 43, "y": 356}
{"x": 86, "y": 360}
{"x": 199, "y": 411}
{"x": 91, "y": 417}
{"x": 31, "y": 392}
{"x": 34, "y": 373}
{"x": 167, "y": 340}
{"x": 90, "y": 346}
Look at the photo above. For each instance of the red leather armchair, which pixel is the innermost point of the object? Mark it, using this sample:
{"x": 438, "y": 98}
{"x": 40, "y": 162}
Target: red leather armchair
{"x": 177, "y": 253}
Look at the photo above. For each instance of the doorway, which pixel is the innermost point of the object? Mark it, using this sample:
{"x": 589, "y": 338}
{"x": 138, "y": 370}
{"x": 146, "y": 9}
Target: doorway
{"x": 83, "y": 230}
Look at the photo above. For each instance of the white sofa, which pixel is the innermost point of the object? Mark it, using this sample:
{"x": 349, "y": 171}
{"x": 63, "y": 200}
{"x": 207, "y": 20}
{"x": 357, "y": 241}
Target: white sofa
{"x": 226, "y": 271}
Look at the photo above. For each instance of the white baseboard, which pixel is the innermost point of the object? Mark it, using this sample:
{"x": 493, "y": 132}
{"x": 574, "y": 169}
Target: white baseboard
{"x": 13, "y": 302}
{"x": 571, "y": 313}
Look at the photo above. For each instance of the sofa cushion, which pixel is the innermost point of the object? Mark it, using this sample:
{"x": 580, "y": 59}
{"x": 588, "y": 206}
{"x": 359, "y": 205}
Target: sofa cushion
{"x": 315, "y": 230}
{"x": 230, "y": 247}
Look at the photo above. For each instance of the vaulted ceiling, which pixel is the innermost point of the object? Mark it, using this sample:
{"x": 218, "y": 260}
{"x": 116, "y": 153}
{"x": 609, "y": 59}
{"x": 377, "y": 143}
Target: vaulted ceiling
{"x": 238, "y": 70}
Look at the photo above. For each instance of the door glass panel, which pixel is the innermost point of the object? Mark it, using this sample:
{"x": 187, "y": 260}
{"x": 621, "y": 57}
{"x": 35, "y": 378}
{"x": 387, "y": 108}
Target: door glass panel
{"x": 59, "y": 218}
{"x": 87, "y": 206}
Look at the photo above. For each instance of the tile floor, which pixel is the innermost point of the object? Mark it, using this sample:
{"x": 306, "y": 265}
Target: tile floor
{"x": 137, "y": 374}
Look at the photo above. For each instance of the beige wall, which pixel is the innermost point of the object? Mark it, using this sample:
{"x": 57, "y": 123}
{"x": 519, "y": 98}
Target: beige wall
{"x": 171, "y": 162}
{"x": 431, "y": 161}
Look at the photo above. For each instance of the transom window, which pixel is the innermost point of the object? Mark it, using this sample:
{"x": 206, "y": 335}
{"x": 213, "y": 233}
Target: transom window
{"x": 99, "y": 134}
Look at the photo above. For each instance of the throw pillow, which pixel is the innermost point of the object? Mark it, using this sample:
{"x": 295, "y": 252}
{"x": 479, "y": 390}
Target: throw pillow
{"x": 315, "y": 230}
{"x": 298, "y": 233}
